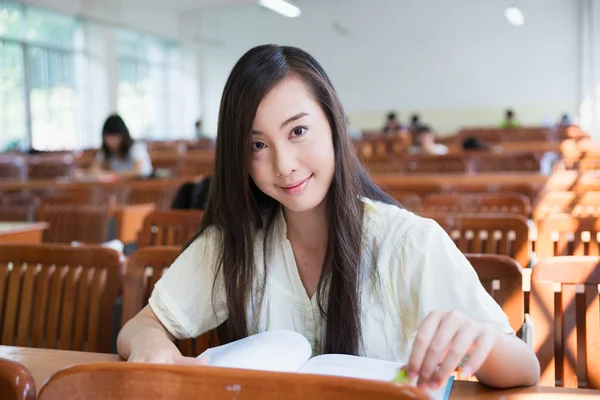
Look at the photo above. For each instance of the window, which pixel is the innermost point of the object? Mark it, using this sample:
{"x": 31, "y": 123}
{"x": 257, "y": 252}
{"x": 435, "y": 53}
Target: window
{"x": 148, "y": 85}
{"x": 43, "y": 77}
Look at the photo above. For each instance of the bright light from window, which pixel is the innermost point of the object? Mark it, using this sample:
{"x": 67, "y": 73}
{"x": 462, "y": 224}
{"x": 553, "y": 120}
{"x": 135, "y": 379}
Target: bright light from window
{"x": 514, "y": 15}
{"x": 31, "y": 34}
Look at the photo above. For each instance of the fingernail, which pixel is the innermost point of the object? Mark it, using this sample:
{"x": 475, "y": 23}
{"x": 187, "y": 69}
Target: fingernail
{"x": 465, "y": 373}
{"x": 434, "y": 385}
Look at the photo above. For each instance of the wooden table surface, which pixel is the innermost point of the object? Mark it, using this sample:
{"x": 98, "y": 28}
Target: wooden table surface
{"x": 43, "y": 363}
{"x": 22, "y": 232}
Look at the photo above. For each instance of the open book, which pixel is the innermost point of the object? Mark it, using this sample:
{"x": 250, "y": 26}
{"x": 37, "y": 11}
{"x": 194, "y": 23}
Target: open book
{"x": 289, "y": 351}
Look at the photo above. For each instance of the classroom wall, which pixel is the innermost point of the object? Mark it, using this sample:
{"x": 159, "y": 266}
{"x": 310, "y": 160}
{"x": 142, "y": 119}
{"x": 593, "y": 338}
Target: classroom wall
{"x": 457, "y": 62}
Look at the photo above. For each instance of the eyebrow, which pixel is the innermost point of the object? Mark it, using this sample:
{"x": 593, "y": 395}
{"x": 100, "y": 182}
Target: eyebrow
{"x": 286, "y": 122}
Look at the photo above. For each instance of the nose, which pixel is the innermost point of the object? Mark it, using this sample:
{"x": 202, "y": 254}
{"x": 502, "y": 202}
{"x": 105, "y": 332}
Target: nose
{"x": 285, "y": 162}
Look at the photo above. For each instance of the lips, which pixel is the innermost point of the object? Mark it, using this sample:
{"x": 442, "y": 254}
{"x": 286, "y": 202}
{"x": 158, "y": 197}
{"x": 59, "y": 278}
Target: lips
{"x": 296, "y": 188}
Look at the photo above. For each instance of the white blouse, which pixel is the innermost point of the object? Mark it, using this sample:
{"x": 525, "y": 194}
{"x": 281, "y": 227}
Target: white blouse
{"x": 418, "y": 270}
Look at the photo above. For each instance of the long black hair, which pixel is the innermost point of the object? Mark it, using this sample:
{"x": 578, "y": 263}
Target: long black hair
{"x": 239, "y": 209}
{"x": 114, "y": 125}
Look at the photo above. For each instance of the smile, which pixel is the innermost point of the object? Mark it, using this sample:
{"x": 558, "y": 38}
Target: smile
{"x": 297, "y": 187}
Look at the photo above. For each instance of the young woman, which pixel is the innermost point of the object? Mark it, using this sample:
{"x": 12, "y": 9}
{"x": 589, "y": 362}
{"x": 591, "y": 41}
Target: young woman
{"x": 119, "y": 154}
{"x": 296, "y": 236}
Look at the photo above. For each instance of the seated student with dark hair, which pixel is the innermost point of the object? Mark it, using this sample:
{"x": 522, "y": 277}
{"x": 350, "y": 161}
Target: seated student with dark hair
{"x": 120, "y": 155}
{"x": 510, "y": 120}
{"x": 425, "y": 143}
{"x": 393, "y": 126}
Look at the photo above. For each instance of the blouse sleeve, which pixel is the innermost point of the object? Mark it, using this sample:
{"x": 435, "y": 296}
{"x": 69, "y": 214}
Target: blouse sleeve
{"x": 434, "y": 274}
{"x": 139, "y": 153}
{"x": 183, "y": 299}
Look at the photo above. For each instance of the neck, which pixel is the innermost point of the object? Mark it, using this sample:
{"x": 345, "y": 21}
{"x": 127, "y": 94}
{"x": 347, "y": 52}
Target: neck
{"x": 310, "y": 228}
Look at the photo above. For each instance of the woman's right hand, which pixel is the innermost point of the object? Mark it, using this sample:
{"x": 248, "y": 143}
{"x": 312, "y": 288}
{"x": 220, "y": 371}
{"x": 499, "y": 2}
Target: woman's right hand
{"x": 154, "y": 348}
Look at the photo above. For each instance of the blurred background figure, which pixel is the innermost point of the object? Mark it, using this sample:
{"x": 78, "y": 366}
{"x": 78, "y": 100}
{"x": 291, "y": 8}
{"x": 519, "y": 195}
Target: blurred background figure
{"x": 510, "y": 120}
{"x": 425, "y": 142}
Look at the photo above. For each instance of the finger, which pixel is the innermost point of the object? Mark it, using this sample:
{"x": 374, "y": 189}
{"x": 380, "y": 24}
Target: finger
{"x": 484, "y": 344}
{"x": 461, "y": 345}
{"x": 446, "y": 332}
{"x": 422, "y": 341}
{"x": 192, "y": 361}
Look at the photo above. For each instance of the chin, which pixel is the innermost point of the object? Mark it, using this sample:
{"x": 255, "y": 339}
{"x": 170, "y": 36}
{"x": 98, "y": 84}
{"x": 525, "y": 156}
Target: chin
{"x": 301, "y": 204}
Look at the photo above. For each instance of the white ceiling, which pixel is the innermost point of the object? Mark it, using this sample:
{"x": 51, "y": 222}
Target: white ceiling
{"x": 191, "y": 5}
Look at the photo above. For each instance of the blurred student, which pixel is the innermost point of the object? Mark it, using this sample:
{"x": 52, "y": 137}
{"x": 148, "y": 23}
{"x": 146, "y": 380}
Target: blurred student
{"x": 393, "y": 126}
{"x": 510, "y": 120}
{"x": 425, "y": 143}
{"x": 120, "y": 155}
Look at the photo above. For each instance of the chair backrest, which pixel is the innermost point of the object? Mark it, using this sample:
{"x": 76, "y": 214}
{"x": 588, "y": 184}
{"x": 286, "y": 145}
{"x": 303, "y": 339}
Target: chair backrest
{"x": 504, "y": 162}
{"x": 577, "y": 204}
{"x": 58, "y": 297}
{"x": 144, "y": 268}
{"x": 491, "y": 234}
{"x": 75, "y": 219}
{"x": 160, "y": 192}
{"x": 566, "y": 324}
{"x": 52, "y": 166}
{"x": 422, "y": 163}
{"x": 566, "y": 235}
{"x": 410, "y": 201}
{"x": 111, "y": 381}
{"x": 478, "y": 203}
{"x": 18, "y": 207}
{"x": 13, "y": 167}
{"x": 168, "y": 228}
{"x": 16, "y": 382}
{"x": 502, "y": 278}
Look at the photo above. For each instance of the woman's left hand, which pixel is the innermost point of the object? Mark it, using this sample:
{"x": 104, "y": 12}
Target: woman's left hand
{"x": 445, "y": 340}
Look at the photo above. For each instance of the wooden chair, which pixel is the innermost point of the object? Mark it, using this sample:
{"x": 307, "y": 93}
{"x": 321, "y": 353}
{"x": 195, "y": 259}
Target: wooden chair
{"x": 159, "y": 192}
{"x": 566, "y": 235}
{"x": 421, "y": 163}
{"x": 566, "y": 324}
{"x": 52, "y": 166}
{"x": 111, "y": 381}
{"x": 16, "y": 381}
{"x": 75, "y": 219}
{"x": 577, "y": 204}
{"x": 13, "y": 167}
{"x": 478, "y": 203}
{"x": 410, "y": 201}
{"x": 498, "y": 234}
{"x": 18, "y": 207}
{"x": 522, "y": 188}
{"x": 167, "y": 228}
{"x": 58, "y": 297}
{"x": 144, "y": 268}
{"x": 505, "y": 162}
{"x": 502, "y": 278}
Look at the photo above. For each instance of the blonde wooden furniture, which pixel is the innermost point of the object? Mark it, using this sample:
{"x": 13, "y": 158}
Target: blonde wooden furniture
{"x": 22, "y": 232}
{"x": 75, "y": 219}
{"x": 56, "y": 296}
{"x": 565, "y": 235}
{"x": 566, "y": 324}
{"x": 166, "y": 228}
{"x": 43, "y": 363}
{"x": 577, "y": 204}
{"x": 422, "y": 163}
{"x": 16, "y": 382}
{"x": 130, "y": 219}
{"x": 491, "y": 234}
{"x": 478, "y": 203}
{"x": 113, "y": 381}
{"x": 502, "y": 278}
{"x": 18, "y": 207}
{"x": 144, "y": 268}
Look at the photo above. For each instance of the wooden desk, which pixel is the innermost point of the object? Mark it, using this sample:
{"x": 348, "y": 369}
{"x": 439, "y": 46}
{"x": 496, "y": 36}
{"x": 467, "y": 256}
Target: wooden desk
{"x": 43, "y": 363}
{"x": 22, "y": 232}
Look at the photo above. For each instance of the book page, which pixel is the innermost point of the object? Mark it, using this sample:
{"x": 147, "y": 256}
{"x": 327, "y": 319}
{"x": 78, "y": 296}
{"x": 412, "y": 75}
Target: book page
{"x": 362, "y": 368}
{"x": 282, "y": 350}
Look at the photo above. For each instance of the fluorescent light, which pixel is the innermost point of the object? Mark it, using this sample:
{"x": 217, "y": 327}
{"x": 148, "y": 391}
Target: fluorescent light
{"x": 514, "y": 15}
{"x": 282, "y": 7}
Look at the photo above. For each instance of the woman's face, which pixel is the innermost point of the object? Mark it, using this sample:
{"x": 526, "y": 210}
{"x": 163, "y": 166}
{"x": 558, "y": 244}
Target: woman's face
{"x": 113, "y": 141}
{"x": 292, "y": 158}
